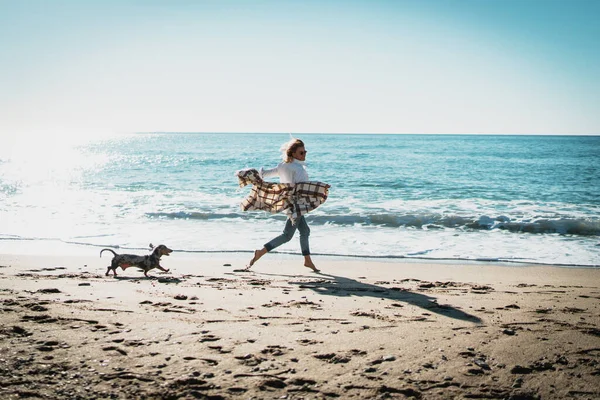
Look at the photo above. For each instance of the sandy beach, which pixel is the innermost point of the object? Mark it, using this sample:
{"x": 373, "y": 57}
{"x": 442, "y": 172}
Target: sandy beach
{"x": 360, "y": 329}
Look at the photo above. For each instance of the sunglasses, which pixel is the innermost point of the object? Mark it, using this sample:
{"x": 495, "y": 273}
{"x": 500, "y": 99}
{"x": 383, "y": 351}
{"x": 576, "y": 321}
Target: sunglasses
{"x": 303, "y": 152}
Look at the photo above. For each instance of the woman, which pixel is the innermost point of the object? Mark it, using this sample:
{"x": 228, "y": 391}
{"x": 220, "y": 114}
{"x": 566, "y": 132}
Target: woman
{"x": 290, "y": 171}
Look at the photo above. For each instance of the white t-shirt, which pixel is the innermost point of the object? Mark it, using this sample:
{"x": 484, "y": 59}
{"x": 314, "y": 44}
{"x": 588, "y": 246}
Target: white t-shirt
{"x": 292, "y": 172}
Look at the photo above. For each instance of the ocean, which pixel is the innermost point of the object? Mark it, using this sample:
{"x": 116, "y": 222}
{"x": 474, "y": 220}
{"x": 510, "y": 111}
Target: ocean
{"x": 514, "y": 199}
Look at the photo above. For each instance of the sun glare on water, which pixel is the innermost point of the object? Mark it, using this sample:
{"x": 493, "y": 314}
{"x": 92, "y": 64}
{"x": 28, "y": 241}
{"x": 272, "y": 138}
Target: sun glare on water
{"x": 43, "y": 178}
{"x": 46, "y": 161}
{"x": 43, "y": 173}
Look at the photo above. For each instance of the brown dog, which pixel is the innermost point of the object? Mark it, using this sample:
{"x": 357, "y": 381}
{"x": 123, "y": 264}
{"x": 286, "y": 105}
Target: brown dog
{"x": 145, "y": 263}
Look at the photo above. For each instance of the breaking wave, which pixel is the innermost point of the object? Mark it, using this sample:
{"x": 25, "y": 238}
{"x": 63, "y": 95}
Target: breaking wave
{"x": 562, "y": 225}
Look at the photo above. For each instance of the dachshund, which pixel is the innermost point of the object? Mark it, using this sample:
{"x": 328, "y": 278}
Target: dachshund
{"x": 145, "y": 263}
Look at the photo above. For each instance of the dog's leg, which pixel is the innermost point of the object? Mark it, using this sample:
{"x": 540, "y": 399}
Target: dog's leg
{"x": 162, "y": 269}
{"x": 114, "y": 267}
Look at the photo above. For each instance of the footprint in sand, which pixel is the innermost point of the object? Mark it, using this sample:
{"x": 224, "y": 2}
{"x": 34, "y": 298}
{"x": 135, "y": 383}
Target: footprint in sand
{"x": 333, "y": 358}
{"x": 220, "y": 349}
{"x": 308, "y": 342}
{"x": 48, "y": 291}
{"x": 209, "y": 338}
{"x": 250, "y": 360}
{"x": 15, "y": 331}
{"x": 275, "y": 350}
{"x": 115, "y": 348}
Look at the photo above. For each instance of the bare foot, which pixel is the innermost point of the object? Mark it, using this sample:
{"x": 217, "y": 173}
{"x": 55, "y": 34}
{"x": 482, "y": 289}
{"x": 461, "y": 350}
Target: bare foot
{"x": 311, "y": 266}
{"x": 308, "y": 263}
{"x": 257, "y": 255}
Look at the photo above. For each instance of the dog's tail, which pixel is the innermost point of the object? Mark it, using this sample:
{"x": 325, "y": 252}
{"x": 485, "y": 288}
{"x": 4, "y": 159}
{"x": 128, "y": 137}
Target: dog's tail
{"x": 108, "y": 250}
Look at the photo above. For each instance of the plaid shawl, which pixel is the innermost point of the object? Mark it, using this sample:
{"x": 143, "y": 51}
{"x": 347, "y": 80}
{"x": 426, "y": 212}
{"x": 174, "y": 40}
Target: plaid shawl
{"x": 296, "y": 200}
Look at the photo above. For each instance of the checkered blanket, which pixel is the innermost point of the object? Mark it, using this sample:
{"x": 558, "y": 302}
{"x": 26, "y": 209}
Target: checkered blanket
{"x": 294, "y": 200}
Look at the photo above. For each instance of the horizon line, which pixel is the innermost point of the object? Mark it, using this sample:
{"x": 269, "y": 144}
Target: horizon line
{"x": 363, "y": 133}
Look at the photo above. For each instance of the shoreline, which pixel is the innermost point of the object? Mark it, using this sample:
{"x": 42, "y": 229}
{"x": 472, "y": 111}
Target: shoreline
{"x": 359, "y": 329}
{"x": 59, "y": 247}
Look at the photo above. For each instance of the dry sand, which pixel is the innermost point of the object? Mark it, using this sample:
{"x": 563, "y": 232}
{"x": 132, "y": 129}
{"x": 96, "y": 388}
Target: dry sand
{"x": 361, "y": 329}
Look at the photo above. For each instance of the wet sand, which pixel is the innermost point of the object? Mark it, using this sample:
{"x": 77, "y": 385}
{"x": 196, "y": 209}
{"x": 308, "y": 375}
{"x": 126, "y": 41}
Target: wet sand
{"x": 360, "y": 329}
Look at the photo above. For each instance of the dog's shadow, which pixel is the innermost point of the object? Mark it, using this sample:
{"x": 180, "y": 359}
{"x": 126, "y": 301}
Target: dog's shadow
{"x": 159, "y": 279}
{"x": 341, "y": 286}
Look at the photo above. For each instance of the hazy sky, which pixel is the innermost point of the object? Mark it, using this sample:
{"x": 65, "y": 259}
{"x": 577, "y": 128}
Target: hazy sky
{"x": 422, "y": 66}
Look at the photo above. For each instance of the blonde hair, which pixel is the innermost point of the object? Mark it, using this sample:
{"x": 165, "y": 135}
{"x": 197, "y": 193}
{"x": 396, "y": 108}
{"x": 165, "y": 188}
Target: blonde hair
{"x": 289, "y": 148}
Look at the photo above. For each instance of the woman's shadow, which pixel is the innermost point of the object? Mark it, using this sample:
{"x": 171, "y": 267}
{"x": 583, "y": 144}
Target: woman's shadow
{"x": 340, "y": 286}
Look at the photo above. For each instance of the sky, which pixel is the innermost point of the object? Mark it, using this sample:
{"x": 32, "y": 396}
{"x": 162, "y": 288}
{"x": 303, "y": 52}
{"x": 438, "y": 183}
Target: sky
{"x": 83, "y": 67}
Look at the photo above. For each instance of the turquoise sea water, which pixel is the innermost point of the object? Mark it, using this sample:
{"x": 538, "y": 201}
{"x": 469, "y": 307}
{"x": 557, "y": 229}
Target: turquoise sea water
{"x": 529, "y": 199}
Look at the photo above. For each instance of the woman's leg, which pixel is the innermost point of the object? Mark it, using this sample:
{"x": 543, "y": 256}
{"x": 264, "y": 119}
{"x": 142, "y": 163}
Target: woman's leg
{"x": 304, "y": 246}
{"x": 286, "y": 236}
{"x": 304, "y": 234}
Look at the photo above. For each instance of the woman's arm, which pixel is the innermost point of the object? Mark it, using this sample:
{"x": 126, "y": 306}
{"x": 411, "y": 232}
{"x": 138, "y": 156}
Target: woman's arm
{"x": 269, "y": 173}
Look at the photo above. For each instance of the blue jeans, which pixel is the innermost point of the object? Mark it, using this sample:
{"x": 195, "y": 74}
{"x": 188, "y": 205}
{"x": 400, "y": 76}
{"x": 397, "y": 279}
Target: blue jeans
{"x": 288, "y": 234}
